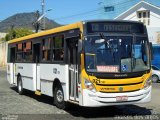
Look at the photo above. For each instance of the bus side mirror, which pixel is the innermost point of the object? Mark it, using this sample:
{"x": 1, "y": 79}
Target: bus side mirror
{"x": 151, "y": 50}
{"x": 80, "y": 46}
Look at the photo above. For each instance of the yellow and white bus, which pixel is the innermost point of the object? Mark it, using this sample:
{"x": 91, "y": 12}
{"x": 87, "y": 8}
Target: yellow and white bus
{"x": 89, "y": 63}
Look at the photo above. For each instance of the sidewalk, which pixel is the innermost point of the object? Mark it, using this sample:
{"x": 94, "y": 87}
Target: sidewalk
{"x": 3, "y": 68}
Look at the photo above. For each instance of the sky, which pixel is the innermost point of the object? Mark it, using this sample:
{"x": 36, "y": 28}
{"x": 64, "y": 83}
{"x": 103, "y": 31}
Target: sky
{"x": 63, "y": 11}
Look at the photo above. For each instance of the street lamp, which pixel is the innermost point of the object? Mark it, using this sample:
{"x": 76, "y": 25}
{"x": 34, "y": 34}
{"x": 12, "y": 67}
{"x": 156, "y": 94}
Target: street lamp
{"x": 39, "y": 18}
{"x": 43, "y": 15}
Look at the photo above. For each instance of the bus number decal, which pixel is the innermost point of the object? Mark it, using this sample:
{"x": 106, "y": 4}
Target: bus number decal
{"x": 96, "y": 81}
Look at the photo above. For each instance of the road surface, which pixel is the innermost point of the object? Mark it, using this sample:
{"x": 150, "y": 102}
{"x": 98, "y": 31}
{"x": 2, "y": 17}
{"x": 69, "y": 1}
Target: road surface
{"x": 31, "y": 107}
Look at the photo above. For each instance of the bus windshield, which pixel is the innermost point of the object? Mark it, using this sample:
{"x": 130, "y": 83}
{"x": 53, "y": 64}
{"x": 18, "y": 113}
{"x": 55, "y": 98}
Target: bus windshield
{"x": 116, "y": 54}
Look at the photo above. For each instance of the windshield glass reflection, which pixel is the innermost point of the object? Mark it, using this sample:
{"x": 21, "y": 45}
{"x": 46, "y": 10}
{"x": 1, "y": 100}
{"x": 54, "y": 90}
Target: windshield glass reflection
{"x": 116, "y": 54}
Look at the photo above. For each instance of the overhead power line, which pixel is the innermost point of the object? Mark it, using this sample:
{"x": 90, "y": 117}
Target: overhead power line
{"x": 119, "y": 3}
{"x": 91, "y": 11}
{"x": 79, "y": 14}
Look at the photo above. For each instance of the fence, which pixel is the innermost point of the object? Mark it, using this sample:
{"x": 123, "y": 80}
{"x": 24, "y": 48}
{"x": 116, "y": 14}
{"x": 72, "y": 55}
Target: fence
{"x": 3, "y": 54}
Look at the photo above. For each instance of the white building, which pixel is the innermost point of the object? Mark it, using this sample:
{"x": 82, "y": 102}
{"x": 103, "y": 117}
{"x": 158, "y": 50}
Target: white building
{"x": 2, "y": 35}
{"x": 148, "y": 14}
{"x": 3, "y": 50}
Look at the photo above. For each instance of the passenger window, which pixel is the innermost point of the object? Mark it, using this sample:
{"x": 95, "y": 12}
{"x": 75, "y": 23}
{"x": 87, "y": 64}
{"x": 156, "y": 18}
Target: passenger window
{"x": 46, "y": 49}
{"x": 19, "y": 52}
{"x": 11, "y": 55}
{"x": 58, "y": 48}
{"x": 27, "y": 52}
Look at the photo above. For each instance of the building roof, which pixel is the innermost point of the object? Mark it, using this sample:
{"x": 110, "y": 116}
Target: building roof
{"x": 141, "y": 4}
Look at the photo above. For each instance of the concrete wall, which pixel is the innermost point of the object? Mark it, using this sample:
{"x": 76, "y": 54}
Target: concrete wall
{"x": 3, "y": 54}
{"x": 158, "y": 37}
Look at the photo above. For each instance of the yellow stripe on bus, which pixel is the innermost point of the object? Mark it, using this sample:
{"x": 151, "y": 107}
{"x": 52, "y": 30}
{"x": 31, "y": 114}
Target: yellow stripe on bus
{"x": 51, "y": 31}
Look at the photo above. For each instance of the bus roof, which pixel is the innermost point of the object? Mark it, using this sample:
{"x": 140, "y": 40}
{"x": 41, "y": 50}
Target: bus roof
{"x": 66, "y": 27}
{"x": 48, "y": 32}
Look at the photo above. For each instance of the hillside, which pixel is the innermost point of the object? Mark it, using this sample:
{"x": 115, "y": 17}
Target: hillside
{"x": 24, "y": 20}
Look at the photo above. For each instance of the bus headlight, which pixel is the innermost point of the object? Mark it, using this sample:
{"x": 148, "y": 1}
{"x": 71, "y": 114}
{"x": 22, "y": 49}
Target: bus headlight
{"x": 148, "y": 83}
{"x": 89, "y": 85}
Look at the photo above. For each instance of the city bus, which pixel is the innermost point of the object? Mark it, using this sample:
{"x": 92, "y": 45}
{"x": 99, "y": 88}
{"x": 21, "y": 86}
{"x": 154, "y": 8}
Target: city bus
{"x": 90, "y": 63}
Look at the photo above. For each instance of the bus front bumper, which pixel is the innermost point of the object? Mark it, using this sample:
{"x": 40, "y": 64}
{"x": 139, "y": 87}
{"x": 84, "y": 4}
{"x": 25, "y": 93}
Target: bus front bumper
{"x": 92, "y": 99}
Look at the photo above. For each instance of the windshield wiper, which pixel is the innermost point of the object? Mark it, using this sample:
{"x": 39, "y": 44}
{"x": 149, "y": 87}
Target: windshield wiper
{"x": 107, "y": 42}
{"x": 133, "y": 62}
{"x": 102, "y": 36}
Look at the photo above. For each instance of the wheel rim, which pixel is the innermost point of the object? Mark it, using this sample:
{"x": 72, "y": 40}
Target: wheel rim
{"x": 59, "y": 96}
{"x": 19, "y": 86}
{"x": 154, "y": 78}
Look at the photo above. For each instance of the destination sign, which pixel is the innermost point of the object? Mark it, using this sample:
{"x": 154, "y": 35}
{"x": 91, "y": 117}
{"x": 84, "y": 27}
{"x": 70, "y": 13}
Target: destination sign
{"x": 120, "y": 27}
{"x": 110, "y": 68}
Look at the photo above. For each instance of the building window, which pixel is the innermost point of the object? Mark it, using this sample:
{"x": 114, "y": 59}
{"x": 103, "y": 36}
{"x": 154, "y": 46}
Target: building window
{"x": 148, "y": 14}
{"x": 109, "y": 8}
{"x": 144, "y": 16}
{"x": 139, "y": 15}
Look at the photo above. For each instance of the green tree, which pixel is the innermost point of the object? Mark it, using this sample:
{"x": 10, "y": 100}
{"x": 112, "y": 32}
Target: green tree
{"x": 17, "y": 32}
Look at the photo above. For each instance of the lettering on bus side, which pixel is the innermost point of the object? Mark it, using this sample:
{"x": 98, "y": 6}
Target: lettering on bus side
{"x": 55, "y": 71}
{"x": 106, "y": 89}
{"x": 20, "y": 67}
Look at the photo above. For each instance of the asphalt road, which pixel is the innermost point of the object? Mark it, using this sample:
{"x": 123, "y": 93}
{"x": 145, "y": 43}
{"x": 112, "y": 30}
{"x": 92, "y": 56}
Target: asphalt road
{"x": 32, "y": 107}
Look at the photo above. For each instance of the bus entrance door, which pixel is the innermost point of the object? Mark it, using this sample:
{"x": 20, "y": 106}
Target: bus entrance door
{"x": 36, "y": 58}
{"x": 73, "y": 68}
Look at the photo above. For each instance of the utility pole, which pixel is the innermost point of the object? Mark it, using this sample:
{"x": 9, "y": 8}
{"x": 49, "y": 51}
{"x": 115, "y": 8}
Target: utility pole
{"x": 36, "y": 24}
{"x": 40, "y": 19}
{"x": 43, "y": 12}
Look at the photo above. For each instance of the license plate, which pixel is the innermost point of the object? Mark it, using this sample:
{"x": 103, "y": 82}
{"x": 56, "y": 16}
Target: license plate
{"x": 121, "y": 98}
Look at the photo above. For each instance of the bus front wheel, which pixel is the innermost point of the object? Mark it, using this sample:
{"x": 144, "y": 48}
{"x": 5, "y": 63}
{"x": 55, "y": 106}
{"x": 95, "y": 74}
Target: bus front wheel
{"x": 20, "y": 86}
{"x": 59, "y": 97}
{"x": 155, "y": 78}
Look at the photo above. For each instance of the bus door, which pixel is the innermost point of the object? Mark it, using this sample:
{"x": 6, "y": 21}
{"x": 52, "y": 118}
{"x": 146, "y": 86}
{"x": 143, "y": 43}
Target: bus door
{"x": 12, "y": 65}
{"x": 36, "y": 58}
{"x": 73, "y": 68}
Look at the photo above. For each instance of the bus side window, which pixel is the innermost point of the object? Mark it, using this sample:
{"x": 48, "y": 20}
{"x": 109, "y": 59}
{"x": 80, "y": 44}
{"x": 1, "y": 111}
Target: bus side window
{"x": 58, "y": 48}
{"x": 11, "y": 54}
{"x": 19, "y": 52}
{"x": 27, "y": 52}
{"x": 46, "y": 52}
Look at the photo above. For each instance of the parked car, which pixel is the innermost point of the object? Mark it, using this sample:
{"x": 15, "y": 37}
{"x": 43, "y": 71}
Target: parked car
{"x": 155, "y": 73}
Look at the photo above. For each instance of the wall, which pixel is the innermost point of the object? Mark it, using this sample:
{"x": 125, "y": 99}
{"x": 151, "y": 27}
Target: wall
{"x": 3, "y": 54}
{"x": 152, "y": 34}
{"x": 158, "y": 37}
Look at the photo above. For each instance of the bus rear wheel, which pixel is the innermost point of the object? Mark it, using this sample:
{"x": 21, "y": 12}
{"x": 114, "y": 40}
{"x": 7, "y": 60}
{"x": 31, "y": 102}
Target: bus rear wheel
{"x": 59, "y": 97}
{"x": 20, "y": 86}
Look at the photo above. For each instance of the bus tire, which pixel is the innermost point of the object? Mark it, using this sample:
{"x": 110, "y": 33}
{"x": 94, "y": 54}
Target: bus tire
{"x": 155, "y": 78}
{"x": 59, "y": 97}
{"x": 20, "y": 86}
